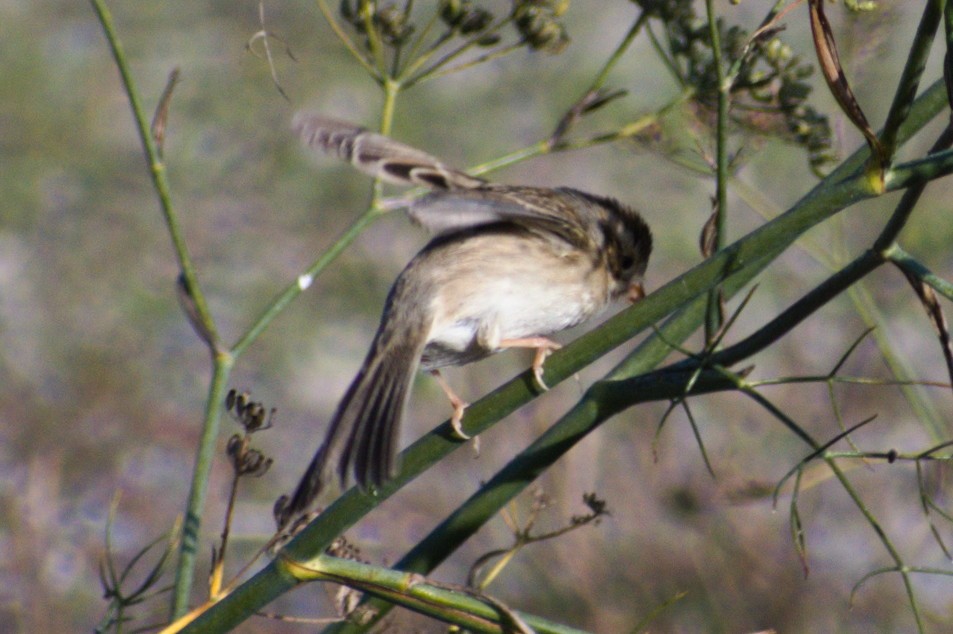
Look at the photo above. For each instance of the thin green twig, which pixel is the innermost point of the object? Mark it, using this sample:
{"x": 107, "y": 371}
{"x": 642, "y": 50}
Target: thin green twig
{"x": 666, "y": 58}
{"x": 543, "y": 147}
{"x": 906, "y": 261}
{"x": 714, "y": 317}
{"x": 912, "y": 73}
{"x": 366, "y": 9}
{"x": 619, "y": 52}
{"x": 444, "y": 70}
{"x": 849, "y": 488}
{"x": 884, "y": 540}
{"x": 221, "y": 361}
{"x": 414, "y": 55}
{"x": 415, "y": 72}
{"x": 303, "y": 282}
{"x": 348, "y": 43}
{"x": 154, "y": 163}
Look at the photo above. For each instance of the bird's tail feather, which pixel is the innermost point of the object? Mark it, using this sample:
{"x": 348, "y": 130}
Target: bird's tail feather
{"x": 363, "y": 434}
{"x": 378, "y": 155}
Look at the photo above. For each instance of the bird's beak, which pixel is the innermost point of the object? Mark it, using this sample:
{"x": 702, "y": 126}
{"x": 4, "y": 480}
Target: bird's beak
{"x": 635, "y": 292}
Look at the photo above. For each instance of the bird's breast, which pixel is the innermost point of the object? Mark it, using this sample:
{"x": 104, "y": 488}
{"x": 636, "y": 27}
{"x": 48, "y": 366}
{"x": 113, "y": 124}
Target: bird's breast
{"x": 507, "y": 288}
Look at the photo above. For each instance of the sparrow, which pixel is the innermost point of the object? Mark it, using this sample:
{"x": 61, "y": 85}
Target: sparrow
{"x": 508, "y": 265}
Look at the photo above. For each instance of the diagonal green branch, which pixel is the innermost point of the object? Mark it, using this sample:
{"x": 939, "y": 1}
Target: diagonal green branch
{"x": 912, "y": 73}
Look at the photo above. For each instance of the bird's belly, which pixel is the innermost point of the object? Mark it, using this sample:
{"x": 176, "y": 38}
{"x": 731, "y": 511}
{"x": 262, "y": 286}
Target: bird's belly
{"x": 485, "y": 314}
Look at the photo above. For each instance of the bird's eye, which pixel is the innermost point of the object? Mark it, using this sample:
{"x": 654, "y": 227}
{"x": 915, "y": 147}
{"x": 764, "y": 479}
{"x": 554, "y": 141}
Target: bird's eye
{"x": 627, "y": 262}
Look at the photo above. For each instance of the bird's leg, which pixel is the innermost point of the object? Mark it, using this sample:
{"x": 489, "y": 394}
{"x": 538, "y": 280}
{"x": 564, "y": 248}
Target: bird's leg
{"x": 544, "y": 348}
{"x": 459, "y": 405}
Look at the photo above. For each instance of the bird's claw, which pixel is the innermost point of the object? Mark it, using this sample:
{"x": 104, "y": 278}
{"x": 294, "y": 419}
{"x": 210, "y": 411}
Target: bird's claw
{"x": 542, "y": 352}
{"x": 456, "y": 421}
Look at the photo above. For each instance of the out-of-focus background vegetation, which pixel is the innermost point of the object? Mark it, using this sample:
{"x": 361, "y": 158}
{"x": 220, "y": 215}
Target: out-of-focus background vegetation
{"x": 102, "y": 381}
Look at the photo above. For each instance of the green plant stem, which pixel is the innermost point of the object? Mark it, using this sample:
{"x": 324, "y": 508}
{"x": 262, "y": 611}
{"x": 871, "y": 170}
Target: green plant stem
{"x": 392, "y": 88}
{"x": 444, "y": 70}
{"x": 848, "y": 487}
{"x": 882, "y": 536}
{"x": 619, "y": 52}
{"x": 667, "y": 59}
{"x": 898, "y": 220}
{"x": 418, "y": 60}
{"x": 419, "y": 39}
{"x": 156, "y": 166}
{"x": 348, "y": 42}
{"x": 912, "y": 73}
{"x": 374, "y": 41}
{"x": 908, "y": 263}
{"x": 293, "y": 290}
{"x": 221, "y": 362}
{"x": 414, "y": 73}
{"x": 449, "y": 604}
{"x": 198, "y": 492}
{"x": 713, "y": 319}
{"x": 919, "y": 172}
{"x": 850, "y": 380}
{"x": 543, "y": 147}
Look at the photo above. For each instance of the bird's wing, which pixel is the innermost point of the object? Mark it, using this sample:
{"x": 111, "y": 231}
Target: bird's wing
{"x": 539, "y": 210}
